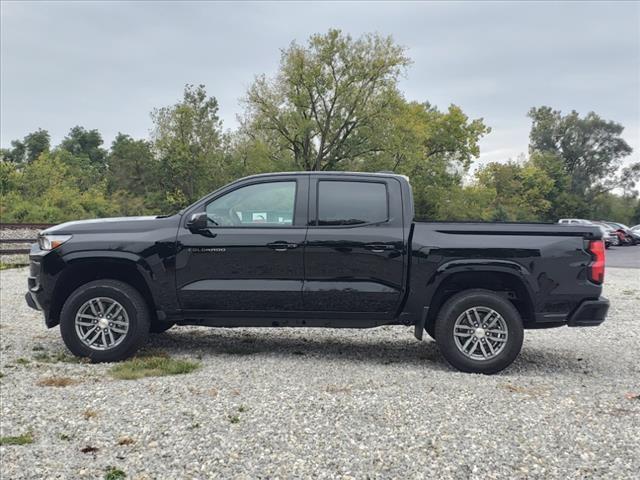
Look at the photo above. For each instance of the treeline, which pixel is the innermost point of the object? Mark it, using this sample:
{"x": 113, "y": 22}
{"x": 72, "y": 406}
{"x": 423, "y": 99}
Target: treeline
{"x": 333, "y": 105}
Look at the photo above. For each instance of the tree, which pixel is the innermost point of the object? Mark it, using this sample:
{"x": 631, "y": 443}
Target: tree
{"x": 36, "y": 143}
{"x": 131, "y": 166}
{"x": 85, "y": 144}
{"x": 433, "y": 148}
{"x": 591, "y": 148}
{"x": 521, "y": 188}
{"x": 15, "y": 154}
{"x": 563, "y": 202}
{"x": 45, "y": 190}
{"x": 187, "y": 141}
{"x": 27, "y": 150}
{"x": 330, "y": 101}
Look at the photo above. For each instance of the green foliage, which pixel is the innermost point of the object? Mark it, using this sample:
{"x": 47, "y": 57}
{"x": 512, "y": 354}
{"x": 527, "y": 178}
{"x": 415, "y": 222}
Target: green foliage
{"x": 330, "y": 101}
{"x": 590, "y": 148}
{"x": 521, "y": 190}
{"x": 471, "y": 203}
{"x": 7, "y": 266}
{"x": 27, "y": 150}
{"x": 132, "y": 168}
{"x": 434, "y": 149}
{"x": 151, "y": 366}
{"x": 113, "y": 473}
{"x": 46, "y": 191}
{"x": 187, "y": 139}
{"x": 24, "y": 439}
{"x": 82, "y": 143}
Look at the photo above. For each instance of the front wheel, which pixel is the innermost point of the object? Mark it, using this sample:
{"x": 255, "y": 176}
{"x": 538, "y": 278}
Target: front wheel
{"x": 105, "y": 321}
{"x": 479, "y": 331}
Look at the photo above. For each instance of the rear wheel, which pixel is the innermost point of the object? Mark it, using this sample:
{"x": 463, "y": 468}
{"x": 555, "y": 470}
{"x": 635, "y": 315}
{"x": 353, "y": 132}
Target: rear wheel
{"x": 478, "y": 331}
{"x": 104, "y": 320}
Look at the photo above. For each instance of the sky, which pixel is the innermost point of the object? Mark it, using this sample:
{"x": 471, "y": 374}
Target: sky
{"x": 107, "y": 65}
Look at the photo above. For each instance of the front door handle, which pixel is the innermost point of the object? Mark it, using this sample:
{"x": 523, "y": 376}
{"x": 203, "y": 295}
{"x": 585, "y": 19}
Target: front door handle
{"x": 281, "y": 246}
{"x": 378, "y": 247}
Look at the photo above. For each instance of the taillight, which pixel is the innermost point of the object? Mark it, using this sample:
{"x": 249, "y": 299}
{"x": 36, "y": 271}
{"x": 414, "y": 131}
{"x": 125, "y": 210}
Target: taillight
{"x": 596, "y": 267}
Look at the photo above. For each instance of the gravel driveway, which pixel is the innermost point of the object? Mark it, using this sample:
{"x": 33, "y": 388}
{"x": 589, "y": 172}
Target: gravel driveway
{"x": 292, "y": 403}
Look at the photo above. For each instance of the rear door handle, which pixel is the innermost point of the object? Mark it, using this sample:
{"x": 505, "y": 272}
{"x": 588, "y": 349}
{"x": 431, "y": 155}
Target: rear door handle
{"x": 281, "y": 246}
{"x": 378, "y": 247}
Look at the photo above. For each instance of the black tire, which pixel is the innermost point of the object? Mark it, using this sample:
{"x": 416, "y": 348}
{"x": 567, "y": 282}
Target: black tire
{"x": 132, "y": 302}
{"x": 160, "y": 327}
{"x": 460, "y": 303}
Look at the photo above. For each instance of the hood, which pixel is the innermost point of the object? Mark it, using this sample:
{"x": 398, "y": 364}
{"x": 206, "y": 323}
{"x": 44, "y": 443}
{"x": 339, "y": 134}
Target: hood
{"x": 115, "y": 224}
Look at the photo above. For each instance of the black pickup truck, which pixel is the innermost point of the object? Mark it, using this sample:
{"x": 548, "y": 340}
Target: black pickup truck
{"x": 315, "y": 249}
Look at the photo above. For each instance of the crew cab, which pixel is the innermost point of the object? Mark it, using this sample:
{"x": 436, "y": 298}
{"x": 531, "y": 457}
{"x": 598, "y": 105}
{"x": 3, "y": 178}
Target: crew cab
{"x": 311, "y": 249}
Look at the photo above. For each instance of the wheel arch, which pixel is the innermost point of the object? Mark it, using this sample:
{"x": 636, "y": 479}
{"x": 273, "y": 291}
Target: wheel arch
{"x": 508, "y": 283}
{"x": 80, "y": 270}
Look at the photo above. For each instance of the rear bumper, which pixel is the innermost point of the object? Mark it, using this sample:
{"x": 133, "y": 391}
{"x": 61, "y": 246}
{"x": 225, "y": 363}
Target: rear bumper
{"x": 589, "y": 313}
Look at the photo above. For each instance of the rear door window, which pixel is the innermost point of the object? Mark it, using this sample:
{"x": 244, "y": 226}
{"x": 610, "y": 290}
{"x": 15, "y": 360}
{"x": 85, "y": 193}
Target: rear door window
{"x": 351, "y": 203}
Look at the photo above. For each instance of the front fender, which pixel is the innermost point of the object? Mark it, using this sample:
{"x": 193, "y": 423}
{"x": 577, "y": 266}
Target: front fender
{"x": 157, "y": 278}
{"x": 92, "y": 255}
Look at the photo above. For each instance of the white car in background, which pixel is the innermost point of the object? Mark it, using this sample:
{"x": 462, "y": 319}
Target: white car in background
{"x": 580, "y": 221}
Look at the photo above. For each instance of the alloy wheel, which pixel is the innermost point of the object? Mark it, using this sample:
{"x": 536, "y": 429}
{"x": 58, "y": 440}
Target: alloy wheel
{"x": 480, "y": 333}
{"x": 101, "y": 323}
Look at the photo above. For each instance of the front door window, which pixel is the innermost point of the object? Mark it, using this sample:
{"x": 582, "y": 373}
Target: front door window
{"x": 262, "y": 204}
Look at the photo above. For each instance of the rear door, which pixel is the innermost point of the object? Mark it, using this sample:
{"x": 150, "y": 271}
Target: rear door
{"x": 354, "y": 254}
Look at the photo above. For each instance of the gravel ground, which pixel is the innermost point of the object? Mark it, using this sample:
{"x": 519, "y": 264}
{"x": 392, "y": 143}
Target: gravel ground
{"x": 287, "y": 403}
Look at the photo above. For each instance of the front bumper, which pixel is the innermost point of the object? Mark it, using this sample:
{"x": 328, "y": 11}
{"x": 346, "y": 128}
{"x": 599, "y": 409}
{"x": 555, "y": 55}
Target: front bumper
{"x": 40, "y": 286}
{"x": 32, "y": 301}
{"x": 589, "y": 313}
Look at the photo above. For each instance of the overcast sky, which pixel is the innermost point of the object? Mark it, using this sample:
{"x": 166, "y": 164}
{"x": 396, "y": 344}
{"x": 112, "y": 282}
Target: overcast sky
{"x": 107, "y": 65}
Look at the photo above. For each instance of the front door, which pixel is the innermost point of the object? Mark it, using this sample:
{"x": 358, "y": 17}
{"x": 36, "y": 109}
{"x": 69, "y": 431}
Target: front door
{"x": 251, "y": 256}
{"x": 354, "y": 255}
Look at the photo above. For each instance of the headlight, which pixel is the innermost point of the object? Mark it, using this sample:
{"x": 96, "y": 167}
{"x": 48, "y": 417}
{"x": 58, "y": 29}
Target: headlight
{"x": 49, "y": 242}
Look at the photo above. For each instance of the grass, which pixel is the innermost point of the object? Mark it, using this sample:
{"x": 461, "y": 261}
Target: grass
{"x": 65, "y": 436}
{"x": 44, "y": 357}
{"x": 234, "y": 418}
{"x": 56, "y": 382}
{"x": 113, "y": 473}
{"x": 24, "y": 439}
{"x": 22, "y": 361}
{"x": 7, "y": 266}
{"x": 151, "y": 366}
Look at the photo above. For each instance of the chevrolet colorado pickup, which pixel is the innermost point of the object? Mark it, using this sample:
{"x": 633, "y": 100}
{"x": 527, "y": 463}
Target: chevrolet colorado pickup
{"x": 315, "y": 249}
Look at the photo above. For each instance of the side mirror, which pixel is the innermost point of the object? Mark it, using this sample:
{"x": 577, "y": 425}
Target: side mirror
{"x": 198, "y": 222}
